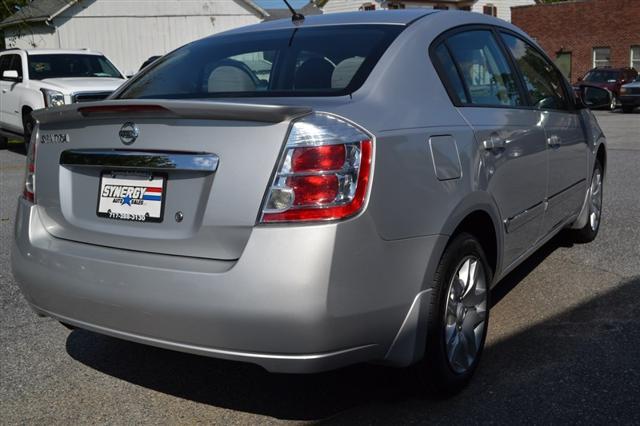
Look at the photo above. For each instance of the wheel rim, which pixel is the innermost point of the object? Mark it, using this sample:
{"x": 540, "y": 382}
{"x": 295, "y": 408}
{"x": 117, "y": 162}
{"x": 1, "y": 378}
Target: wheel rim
{"x": 595, "y": 199}
{"x": 614, "y": 102}
{"x": 465, "y": 314}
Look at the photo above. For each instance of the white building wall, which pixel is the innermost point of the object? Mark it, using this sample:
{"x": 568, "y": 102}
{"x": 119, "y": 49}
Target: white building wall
{"x": 503, "y": 6}
{"x": 129, "y": 32}
{"x": 37, "y": 36}
{"x": 333, "y": 6}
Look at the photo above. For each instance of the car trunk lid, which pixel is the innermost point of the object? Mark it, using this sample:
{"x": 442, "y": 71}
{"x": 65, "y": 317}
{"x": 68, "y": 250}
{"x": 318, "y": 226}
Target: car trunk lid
{"x": 204, "y": 165}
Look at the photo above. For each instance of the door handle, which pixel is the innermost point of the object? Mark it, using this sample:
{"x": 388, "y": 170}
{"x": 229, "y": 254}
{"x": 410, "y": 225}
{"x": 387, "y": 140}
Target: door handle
{"x": 553, "y": 141}
{"x": 494, "y": 143}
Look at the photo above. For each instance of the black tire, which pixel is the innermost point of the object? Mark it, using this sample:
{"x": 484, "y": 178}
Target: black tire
{"x": 435, "y": 372}
{"x": 4, "y": 142}
{"x": 627, "y": 109}
{"x": 27, "y": 125}
{"x": 589, "y": 233}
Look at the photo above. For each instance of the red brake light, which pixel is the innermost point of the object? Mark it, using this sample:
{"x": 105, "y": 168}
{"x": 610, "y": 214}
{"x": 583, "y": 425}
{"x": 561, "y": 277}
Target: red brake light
{"x": 121, "y": 109}
{"x": 323, "y": 174}
{"x": 29, "y": 192}
{"x": 313, "y": 189}
{"x": 318, "y": 158}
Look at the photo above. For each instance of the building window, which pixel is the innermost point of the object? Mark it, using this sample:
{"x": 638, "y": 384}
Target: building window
{"x": 368, "y": 6}
{"x": 490, "y": 10}
{"x": 635, "y": 57}
{"x": 441, "y": 7}
{"x": 601, "y": 57}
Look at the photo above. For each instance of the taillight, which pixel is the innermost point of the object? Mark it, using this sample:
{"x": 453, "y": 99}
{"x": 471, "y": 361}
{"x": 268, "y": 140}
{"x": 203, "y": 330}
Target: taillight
{"x": 30, "y": 173}
{"x": 323, "y": 174}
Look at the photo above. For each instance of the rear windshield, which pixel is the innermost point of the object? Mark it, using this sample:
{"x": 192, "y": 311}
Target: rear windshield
{"x": 602, "y": 76}
{"x": 292, "y": 62}
{"x": 62, "y": 65}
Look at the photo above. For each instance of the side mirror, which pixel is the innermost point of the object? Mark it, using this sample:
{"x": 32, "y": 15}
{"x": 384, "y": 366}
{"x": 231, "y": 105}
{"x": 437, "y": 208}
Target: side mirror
{"x": 11, "y": 75}
{"x": 594, "y": 97}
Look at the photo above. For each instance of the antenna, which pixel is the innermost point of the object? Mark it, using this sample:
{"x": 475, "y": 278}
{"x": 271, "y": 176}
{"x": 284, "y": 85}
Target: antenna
{"x": 296, "y": 18}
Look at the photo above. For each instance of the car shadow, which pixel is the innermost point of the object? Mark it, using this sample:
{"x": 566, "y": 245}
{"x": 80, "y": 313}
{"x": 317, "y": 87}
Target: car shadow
{"x": 512, "y": 368}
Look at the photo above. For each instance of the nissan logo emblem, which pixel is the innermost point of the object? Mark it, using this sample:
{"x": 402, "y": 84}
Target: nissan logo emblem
{"x": 128, "y": 133}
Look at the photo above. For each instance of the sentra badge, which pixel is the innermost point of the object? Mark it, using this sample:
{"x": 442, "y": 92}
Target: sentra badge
{"x": 54, "y": 138}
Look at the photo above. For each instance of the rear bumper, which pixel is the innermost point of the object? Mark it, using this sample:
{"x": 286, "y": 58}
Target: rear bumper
{"x": 300, "y": 299}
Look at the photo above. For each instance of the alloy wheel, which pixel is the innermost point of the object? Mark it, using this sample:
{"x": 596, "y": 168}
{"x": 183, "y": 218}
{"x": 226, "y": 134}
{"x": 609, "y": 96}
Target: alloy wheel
{"x": 595, "y": 199}
{"x": 465, "y": 314}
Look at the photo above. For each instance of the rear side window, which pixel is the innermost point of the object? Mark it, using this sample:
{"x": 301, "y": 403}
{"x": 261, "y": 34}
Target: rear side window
{"x": 484, "y": 69}
{"x": 293, "y": 62}
{"x": 451, "y": 74}
{"x": 542, "y": 80}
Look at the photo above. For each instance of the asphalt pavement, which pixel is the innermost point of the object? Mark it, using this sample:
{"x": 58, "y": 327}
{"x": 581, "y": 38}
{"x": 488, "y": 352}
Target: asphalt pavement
{"x": 563, "y": 345}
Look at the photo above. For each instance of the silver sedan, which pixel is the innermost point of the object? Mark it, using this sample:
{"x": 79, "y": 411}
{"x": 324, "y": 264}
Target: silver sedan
{"x": 308, "y": 195}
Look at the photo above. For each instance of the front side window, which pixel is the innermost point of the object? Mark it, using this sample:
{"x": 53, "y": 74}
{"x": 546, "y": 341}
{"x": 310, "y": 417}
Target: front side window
{"x": 485, "y": 72}
{"x": 4, "y": 63}
{"x": 291, "y": 62}
{"x": 62, "y": 65}
{"x": 16, "y": 64}
{"x": 601, "y": 57}
{"x": 11, "y": 63}
{"x": 543, "y": 82}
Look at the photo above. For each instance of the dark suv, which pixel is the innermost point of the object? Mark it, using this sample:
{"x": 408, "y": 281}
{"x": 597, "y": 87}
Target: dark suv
{"x": 609, "y": 78}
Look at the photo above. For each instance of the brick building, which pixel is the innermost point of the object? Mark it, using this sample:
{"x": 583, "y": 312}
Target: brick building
{"x": 582, "y": 34}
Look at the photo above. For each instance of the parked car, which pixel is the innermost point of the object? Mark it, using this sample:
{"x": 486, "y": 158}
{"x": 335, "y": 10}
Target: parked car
{"x": 39, "y": 78}
{"x": 630, "y": 95}
{"x": 355, "y": 204}
{"x": 609, "y": 78}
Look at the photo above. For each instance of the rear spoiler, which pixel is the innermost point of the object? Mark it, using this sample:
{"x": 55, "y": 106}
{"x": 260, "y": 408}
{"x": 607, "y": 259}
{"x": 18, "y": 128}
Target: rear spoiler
{"x": 147, "y": 108}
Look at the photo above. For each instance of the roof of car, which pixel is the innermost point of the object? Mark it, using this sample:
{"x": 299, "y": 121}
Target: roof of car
{"x": 381, "y": 17}
{"x": 61, "y": 51}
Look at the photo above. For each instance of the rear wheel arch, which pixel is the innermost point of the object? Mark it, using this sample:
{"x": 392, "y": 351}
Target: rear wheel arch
{"x": 480, "y": 224}
{"x": 479, "y": 216}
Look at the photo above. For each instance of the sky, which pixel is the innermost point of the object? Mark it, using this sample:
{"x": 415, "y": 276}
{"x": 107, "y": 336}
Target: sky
{"x": 273, "y": 4}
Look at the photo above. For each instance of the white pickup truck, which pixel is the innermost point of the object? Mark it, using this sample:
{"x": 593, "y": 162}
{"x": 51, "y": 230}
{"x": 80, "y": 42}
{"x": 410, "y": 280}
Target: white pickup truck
{"x": 40, "y": 78}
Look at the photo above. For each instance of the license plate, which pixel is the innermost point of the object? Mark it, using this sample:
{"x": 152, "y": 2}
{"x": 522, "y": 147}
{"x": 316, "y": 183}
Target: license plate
{"x": 132, "y": 197}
